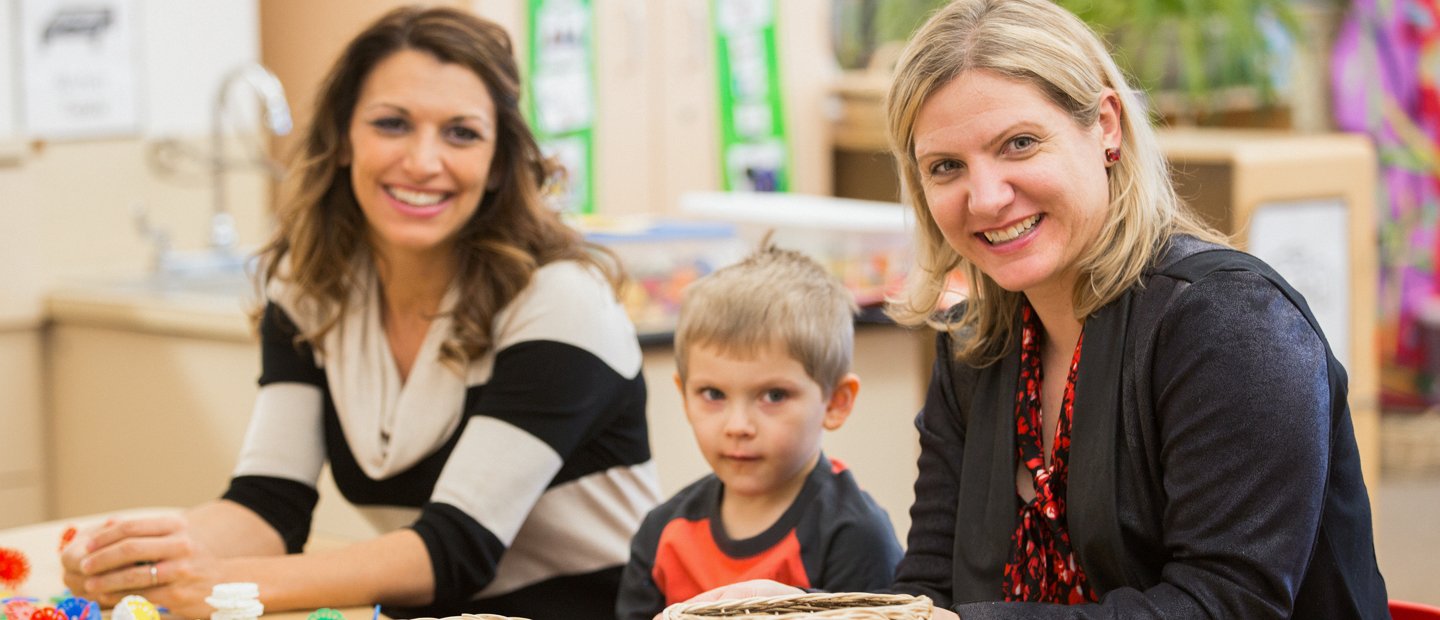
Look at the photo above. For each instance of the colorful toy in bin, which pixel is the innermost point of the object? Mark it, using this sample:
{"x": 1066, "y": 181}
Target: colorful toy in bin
{"x": 662, "y": 256}
{"x": 14, "y": 568}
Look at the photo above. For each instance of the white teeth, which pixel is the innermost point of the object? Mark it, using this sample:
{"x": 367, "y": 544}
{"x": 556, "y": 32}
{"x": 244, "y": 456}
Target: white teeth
{"x": 1001, "y": 236}
{"x": 419, "y": 199}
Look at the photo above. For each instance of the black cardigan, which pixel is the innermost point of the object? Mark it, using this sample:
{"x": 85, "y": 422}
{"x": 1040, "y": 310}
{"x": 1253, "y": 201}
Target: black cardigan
{"x": 1213, "y": 466}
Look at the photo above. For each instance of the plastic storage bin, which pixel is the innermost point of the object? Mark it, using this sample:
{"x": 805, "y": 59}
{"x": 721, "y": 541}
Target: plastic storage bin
{"x": 662, "y": 256}
{"x": 867, "y": 244}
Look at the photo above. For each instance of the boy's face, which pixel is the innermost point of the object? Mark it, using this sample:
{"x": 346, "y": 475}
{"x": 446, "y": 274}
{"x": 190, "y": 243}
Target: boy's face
{"x": 758, "y": 420}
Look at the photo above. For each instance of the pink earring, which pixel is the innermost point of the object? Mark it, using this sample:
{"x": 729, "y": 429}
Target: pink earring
{"x": 1112, "y": 155}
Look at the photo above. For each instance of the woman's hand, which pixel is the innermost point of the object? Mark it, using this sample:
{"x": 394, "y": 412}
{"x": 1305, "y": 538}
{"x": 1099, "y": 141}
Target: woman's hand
{"x": 155, "y": 557}
{"x": 940, "y": 613}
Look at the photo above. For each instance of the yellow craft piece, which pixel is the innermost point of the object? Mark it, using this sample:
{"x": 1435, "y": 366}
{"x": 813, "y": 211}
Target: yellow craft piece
{"x": 135, "y": 607}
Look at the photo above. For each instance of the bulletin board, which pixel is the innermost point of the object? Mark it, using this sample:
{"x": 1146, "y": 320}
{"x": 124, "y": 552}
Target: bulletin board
{"x": 561, "y": 96}
{"x": 755, "y": 150}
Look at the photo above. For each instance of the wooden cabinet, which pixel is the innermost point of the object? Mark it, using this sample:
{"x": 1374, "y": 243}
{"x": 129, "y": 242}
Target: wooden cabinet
{"x": 22, "y": 455}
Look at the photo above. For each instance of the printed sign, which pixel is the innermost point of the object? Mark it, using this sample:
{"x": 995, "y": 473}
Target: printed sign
{"x": 78, "y": 61}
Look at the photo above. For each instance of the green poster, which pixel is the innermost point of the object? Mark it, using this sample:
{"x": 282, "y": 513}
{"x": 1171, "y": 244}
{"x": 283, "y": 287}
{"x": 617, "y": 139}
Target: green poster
{"x": 754, "y": 153}
{"x": 560, "y": 94}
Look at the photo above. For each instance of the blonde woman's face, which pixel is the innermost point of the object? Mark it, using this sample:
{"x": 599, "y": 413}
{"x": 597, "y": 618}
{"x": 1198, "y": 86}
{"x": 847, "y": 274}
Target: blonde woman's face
{"x": 1014, "y": 184}
{"x": 421, "y": 142}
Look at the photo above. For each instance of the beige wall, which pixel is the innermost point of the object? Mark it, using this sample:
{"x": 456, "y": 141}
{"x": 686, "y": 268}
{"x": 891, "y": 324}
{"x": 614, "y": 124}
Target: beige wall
{"x": 67, "y": 212}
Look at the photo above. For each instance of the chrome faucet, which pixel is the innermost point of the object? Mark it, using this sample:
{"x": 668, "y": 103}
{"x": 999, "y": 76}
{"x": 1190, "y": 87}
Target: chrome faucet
{"x": 259, "y": 80}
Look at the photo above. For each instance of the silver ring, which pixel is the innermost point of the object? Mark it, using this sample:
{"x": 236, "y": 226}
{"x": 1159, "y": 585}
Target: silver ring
{"x": 154, "y": 575}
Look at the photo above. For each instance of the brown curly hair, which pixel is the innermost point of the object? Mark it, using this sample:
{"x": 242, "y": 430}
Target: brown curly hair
{"x": 512, "y": 233}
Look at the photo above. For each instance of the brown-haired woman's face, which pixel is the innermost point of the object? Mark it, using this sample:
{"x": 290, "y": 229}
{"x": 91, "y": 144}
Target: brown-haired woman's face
{"x": 421, "y": 140}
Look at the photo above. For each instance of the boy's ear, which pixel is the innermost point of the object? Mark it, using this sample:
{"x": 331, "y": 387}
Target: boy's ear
{"x": 679, "y": 385}
{"x": 842, "y": 401}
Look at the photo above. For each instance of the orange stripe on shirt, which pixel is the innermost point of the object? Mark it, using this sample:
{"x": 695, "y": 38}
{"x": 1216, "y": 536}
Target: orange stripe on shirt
{"x": 688, "y": 562}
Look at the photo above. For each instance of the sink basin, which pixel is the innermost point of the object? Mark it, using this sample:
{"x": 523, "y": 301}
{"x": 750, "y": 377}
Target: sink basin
{"x": 224, "y": 283}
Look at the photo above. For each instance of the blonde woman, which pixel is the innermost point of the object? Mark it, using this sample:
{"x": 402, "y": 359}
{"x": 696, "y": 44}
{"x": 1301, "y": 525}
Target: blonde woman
{"x": 1126, "y": 419}
{"x": 444, "y": 343}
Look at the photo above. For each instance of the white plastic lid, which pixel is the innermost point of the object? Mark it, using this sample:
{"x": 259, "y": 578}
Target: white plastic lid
{"x": 251, "y": 609}
{"x": 240, "y": 590}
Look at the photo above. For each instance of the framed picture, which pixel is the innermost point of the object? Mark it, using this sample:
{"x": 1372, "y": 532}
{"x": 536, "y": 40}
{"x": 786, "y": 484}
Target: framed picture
{"x": 78, "y": 65}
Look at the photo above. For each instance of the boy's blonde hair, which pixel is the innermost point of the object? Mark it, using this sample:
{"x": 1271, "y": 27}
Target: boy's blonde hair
{"x": 772, "y": 296}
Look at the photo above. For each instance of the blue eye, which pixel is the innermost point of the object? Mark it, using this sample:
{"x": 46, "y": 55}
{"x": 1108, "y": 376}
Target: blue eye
{"x": 1023, "y": 142}
{"x": 711, "y": 394}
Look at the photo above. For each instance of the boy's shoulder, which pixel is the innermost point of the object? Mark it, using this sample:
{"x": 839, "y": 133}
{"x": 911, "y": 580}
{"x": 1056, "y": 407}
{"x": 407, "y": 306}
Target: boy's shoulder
{"x": 838, "y": 497}
{"x": 696, "y": 501}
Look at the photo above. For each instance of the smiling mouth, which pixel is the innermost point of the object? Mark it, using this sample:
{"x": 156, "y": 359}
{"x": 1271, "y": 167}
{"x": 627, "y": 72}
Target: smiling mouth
{"x": 996, "y": 237}
{"x": 416, "y": 198}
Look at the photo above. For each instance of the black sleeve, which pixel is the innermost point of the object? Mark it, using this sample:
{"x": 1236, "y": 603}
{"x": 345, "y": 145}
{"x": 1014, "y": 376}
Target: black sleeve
{"x": 640, "y": 598}
{"x": 928, "y": 563}
{"x": 1242, "y": 402}
{"x": 284, "y": 504}
{"x": 282, "y": 357}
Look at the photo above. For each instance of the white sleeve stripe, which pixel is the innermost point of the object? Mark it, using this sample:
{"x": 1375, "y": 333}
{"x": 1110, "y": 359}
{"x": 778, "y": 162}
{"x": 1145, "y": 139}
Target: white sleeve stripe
{"x": 286, "y": 438}
{"x": 570, "y": 303}
{"x": 495, "y": 474}
{"x": 579, "y": 527}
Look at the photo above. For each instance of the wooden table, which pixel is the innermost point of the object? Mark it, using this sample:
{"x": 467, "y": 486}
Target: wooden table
{"x": 40, "y": 543}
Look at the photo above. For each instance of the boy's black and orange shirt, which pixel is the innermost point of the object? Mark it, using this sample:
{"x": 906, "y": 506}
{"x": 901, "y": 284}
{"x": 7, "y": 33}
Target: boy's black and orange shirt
{"x": 834, "y": 538}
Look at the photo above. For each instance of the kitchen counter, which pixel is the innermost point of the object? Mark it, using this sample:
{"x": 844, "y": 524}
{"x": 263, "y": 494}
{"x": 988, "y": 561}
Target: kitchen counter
{"x": 213, "y": 309}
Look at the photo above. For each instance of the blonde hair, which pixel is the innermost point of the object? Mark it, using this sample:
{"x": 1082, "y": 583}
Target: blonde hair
{"x": 512, "y": 233}
{"x": 1041, "y": 44}
{"x": 772, "y": 296}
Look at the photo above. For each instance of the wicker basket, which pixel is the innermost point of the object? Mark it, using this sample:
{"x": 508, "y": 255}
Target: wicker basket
{"x": 849, "y": 606}
{"x": 474, "y": 617}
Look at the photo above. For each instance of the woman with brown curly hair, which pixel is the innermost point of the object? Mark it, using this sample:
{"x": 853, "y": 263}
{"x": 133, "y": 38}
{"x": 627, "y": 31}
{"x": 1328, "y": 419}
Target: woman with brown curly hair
{"x": 438, "y": 337}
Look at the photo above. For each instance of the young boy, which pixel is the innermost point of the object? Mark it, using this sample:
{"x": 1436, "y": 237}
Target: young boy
{"x": 763, "y": 357}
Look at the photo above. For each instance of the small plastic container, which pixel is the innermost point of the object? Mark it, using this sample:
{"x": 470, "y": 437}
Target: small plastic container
{"x": 235, "y": 601}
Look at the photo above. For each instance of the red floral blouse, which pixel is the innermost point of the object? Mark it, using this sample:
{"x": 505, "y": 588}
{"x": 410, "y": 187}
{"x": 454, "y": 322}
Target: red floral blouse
{"x": 1042, "y": 566}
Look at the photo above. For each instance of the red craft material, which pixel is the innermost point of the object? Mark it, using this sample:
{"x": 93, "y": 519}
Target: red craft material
{"x": 67, "y": 537}
{"x": 48, "y": 613}
{"x": 14, "y": 568}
